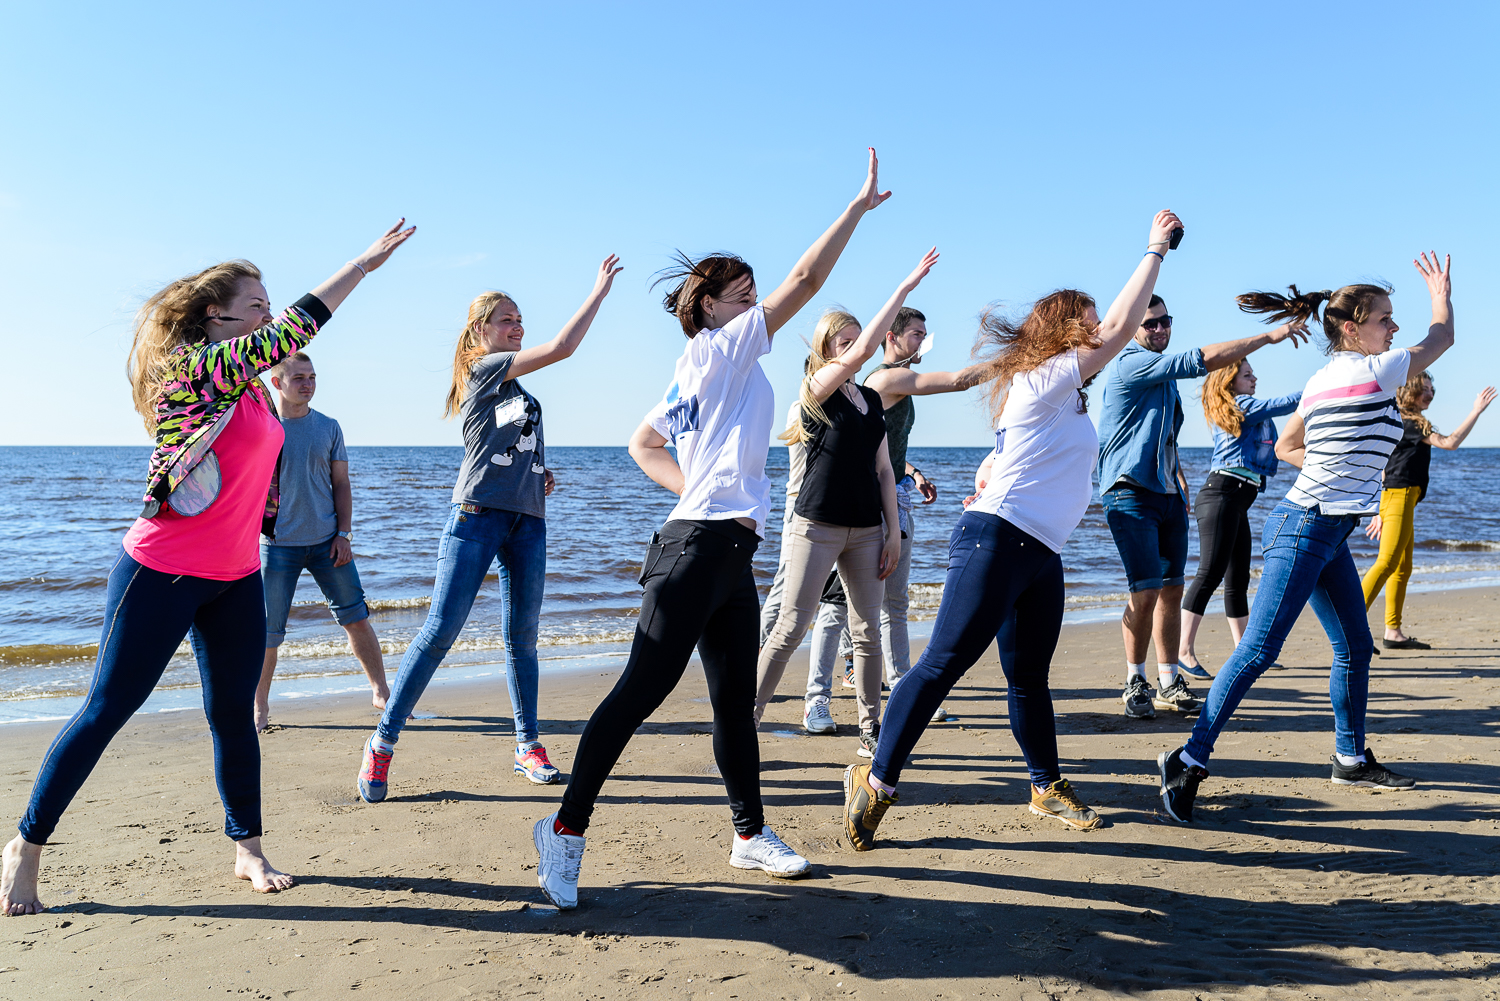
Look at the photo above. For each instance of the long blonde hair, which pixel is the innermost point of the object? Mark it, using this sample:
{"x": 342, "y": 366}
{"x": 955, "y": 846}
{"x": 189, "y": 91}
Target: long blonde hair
{"x": 172, "y": 317}
{"x": 1406, "y": 402}
{"x": 1219, "y": 405}
{"x": 470, "y": 348}
{"x": 829, "y": 324}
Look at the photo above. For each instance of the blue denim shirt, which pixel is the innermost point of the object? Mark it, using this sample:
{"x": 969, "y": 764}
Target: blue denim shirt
{"x": 1255, "y": 448}
{"x": 1141, "y": 415}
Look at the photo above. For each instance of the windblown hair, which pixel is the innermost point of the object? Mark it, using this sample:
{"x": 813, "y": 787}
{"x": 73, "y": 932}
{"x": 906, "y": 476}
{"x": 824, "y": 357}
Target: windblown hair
{"x": 829, "y": 325}
{"x": 1219, "y": 404}
{"x": 1406, "y": 401}
{"x": 470, "y": 348}
{"x": 174, "y": 316}
{"x": 1054, "y": 324}
{"x": 692, "y": 281}
{"x": 1351, "y": 304}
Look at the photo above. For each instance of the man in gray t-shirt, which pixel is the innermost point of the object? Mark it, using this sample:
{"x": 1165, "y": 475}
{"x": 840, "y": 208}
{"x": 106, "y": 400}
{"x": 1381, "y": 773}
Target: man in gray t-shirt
{"x": 313, "y": 531}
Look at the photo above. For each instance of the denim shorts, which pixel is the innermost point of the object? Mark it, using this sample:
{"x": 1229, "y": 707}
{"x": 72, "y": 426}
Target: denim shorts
{"x": 280, "y": 566}
{"x": 1151, "y": 533}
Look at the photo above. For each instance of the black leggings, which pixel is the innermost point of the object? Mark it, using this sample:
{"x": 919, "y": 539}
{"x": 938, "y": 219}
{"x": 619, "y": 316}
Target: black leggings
{"x": 1223, "y": 508}
{"x": 699, "y": 590}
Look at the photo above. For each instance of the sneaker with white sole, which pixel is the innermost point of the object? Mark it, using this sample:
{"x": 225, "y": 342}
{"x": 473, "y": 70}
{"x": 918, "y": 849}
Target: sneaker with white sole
{"x": 533, "y": 764}
{"x": 1060, "y": 801}
{"x": 849, "y": 673}
{"x": 768, "y": 853}
{"x": 869, "y": 738}
{"x": 1137, "y": 698}
{"x": 561, "y": 859}
{"x": 1195, "y": 670}
{"x": 1177, "y": 697}
{"x": 1369, "y": 773}
{"x": 1179, "y": 784}
{"x": 939, "y": 714}
{"x": 817, "y": 718}
{"x": 374, "y": 773}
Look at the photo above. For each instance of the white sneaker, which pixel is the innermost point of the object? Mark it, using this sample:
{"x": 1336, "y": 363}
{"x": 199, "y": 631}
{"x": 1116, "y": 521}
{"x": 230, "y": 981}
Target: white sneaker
{"x": 767, "y": 852}
{"x": 939, "y": 714}
{"x": 561, "y": 859}
{"x": 817, "y": 718}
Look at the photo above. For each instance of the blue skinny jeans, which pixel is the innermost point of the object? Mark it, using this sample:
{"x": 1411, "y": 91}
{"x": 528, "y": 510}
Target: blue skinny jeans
{"x": 471, "y": 542}
{"x": 146, "y": 615}
{"x": 1002, "y": 585}
{"x": 1306, "y": 561}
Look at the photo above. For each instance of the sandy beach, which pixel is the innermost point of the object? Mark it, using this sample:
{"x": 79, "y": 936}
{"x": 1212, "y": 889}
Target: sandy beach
{"x": 1286, "y": 887}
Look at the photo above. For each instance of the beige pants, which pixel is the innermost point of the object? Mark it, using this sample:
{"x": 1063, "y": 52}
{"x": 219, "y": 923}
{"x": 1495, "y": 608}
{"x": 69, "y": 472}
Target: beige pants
{"x": 813, "y": 549}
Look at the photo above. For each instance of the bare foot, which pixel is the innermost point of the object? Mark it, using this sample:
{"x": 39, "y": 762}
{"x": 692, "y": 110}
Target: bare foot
{"x": 23, "y": 861}
{"x": 382, "y": 694}
{"x": 250, "y": 863}
{"x": 262, "y": 715}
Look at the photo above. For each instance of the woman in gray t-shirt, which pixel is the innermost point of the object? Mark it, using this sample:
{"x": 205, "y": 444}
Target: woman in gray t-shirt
{"x": 498, "y": 514}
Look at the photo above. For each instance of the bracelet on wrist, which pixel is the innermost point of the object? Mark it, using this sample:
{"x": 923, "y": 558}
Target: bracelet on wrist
{"x": 1159, "y": 255}
{"x": 362, "y": 271}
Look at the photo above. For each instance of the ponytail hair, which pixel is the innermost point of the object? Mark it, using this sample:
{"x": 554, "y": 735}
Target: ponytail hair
{"x": 1219, "y": 404}
{"x": 693, "y": 281}
{"x": 1350, "y": 304}
{"x": 1406, "y": 402}
{"x": 470, "y": 348}
{"x": 829, "y": 324}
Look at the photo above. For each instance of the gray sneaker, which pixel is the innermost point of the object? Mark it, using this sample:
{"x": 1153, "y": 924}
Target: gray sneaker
{"x": 817, "y": 718}
{"x": 868, "y": 741}
{"x": 1177, "y": 696}
{"x": 1137, "y": 698}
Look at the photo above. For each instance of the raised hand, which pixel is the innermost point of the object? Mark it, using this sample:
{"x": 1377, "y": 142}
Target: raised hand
{"x": 382, "y": 248}
{"x": 606, "y": 277}
{"x": 1484, "y": 399}
{"x": 1296, "y": 332}
{"x": 1437, "y": 277}
{"x": 1161, "y": 231}
{"x": 915, "y": 278}
{"x": 870, "y": 196}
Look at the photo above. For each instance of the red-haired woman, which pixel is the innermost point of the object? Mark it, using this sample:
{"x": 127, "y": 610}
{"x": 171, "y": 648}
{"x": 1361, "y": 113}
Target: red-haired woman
{"x": 699, "y": 589}
{"x": 191, "y": 562}
{"x": 1005, "y": 574}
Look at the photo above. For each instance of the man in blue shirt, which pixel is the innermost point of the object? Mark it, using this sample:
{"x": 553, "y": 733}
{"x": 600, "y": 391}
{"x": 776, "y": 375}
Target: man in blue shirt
{"x": 1145, "y": 495}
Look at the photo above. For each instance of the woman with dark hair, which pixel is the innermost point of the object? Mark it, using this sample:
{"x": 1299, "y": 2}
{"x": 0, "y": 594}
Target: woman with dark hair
{"x": 699, "y": 589}
{"x": 1403, "y": 487}
{"x": 190, "y": 565}
{"x": 1244, "y": 459}
{"x": 497, "y": 514}
{"x": 1005, "y": 574}
{"x": 1345, "y": 428}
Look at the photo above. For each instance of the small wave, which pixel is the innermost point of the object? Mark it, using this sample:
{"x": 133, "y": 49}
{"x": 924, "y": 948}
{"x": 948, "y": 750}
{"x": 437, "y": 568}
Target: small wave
{"x": 475, "y": 644}
{"x": 1460, "y": 545}
{"x": 390, "y": 604}
{"x": 48, "y": 653}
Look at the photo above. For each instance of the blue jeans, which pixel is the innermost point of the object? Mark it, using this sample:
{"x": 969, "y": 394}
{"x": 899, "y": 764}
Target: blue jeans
{"x": 146, "y": 615}
{"x": 280, "y": 566}
{"x": 1306, "y": 561}
{"x": 1151, "y": 533}
{"x": 471, "y": 542}
{"x": 1002, "y": 585}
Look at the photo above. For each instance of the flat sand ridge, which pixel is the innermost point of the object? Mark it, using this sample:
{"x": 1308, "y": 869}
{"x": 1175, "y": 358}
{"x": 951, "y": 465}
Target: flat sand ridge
{"x": 1286, "y": 887}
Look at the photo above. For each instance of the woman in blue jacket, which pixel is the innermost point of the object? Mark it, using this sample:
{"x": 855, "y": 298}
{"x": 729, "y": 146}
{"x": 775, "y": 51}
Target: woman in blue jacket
{"x": 1244, "y": 459}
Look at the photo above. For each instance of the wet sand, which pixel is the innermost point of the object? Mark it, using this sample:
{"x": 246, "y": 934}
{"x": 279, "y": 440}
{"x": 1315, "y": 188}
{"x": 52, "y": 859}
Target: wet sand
{"x": 1286, "y": 887}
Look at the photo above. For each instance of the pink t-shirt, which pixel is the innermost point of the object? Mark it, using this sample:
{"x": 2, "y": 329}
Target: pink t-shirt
{"x": 222, "y": 543}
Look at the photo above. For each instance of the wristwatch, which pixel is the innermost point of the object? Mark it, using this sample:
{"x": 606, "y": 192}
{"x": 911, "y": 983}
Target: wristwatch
{"x": 346, "y": 536}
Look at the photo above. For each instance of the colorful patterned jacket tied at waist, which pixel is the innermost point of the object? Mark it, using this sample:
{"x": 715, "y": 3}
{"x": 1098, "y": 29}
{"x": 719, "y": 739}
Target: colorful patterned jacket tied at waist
{"x": 203, "y": 385}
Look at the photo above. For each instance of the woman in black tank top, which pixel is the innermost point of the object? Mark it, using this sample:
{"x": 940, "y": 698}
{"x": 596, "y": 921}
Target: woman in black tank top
{"x": 845, "y": 513}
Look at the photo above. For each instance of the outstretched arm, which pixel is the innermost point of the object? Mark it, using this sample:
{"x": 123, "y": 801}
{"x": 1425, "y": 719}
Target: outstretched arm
{"x": 1129, "y": 308}
{"x": 830, "y": 377}
{"x": 567, "y": 340}
{"x": 649, "y": 450}
{"x": 335, "y": 290}
{"x": 1451, "y": 441}
{"x": 1231, "y": 352}
{"x": 894, "y": 383}
{"x": 1440, "y": 332}
{"x": 817, "y": 262}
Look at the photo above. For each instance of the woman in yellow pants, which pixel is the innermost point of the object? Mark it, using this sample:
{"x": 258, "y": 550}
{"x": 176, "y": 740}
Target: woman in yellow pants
{"x": 1405, "y": 485}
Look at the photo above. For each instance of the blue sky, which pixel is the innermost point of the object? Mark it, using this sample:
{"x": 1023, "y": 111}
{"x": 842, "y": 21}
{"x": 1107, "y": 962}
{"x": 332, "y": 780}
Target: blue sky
{"x": 1311, "y": 143}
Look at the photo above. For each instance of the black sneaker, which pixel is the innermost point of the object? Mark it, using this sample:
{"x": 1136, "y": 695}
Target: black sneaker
{"x": 1137, "y": 698}
{"x": 1179, "y": 785}
{"x": 1177, "y": 696}
{"x": 1370, "y": 774}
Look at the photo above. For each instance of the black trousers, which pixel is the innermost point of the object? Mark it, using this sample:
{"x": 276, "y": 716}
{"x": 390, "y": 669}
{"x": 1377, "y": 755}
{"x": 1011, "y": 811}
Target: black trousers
{"x": 699, "y": 591}
{"x": 1224, "y": 545}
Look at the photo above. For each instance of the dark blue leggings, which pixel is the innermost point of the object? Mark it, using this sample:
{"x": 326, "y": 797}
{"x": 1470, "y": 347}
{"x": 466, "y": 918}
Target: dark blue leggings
{"x": 146, "y": 615}
{"x": 1002, "y": 585}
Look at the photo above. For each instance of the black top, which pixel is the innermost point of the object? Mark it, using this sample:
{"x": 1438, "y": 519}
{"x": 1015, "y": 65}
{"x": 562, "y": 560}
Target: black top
{"x": 840, "y": 486}
{"x": 1408, "y": 465}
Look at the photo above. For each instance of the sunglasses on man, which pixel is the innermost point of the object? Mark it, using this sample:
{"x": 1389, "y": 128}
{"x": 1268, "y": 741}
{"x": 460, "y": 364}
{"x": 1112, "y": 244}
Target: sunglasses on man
{"x": 1157, "y": 323}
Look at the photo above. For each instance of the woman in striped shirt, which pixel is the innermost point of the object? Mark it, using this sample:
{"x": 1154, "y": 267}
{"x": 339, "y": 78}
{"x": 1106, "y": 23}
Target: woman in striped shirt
{"x": 1340, "y": 437}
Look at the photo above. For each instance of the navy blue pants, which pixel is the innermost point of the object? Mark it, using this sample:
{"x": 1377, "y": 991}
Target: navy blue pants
{"x": 146, "y": 615}
{"x": 1002, "y": 585}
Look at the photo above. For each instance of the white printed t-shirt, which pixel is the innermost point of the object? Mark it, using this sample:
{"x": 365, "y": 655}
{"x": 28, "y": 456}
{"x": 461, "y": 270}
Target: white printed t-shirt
{"x": 1352, "y": 426}
{"x": 717, "y": 414}
{"x": 1042, "y": 479}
